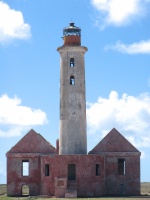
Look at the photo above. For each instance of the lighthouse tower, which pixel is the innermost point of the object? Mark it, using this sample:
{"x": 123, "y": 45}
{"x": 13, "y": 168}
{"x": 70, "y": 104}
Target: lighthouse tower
{"x": 73, "y": 138}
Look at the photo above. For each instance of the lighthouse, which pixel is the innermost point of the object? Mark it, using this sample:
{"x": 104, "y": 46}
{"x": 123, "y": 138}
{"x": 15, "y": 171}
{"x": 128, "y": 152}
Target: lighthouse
{"x": 111, "y": 168}
{"x": 73, "y": 136}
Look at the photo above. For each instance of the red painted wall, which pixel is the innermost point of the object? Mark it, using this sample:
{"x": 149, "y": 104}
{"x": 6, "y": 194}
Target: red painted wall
{"x": 15, "y": 179}
{"x": 88, "y": 184}
{"x": 127, "y": 184}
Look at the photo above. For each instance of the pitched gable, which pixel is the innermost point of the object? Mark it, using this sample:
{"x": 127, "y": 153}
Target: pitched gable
{"x": 113, "y": 142}
{"x": 33, "y": 142}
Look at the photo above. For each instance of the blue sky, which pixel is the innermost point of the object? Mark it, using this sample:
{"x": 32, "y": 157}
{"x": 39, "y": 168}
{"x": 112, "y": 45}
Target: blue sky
{"x": 117, "y": 35}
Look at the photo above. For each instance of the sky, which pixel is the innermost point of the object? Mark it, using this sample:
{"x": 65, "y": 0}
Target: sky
{"x": 117, "y": 64}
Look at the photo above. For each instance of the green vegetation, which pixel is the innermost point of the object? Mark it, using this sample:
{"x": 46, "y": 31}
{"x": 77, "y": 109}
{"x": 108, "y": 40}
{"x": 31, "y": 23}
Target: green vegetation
{"x": 145, "y": 192}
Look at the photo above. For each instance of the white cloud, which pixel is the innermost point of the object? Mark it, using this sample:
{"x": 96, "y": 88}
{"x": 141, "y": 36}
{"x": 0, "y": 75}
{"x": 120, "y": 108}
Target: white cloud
{"x": 142, "y": 47}
{"x": 12, "y": 25}
{"x": 14, "y": 118}
{"x": 118, "y": 12}
{"x": 130, "y": 115}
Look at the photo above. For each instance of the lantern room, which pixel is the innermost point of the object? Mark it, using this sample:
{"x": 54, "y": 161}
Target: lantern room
{"x": 72, "y": 35}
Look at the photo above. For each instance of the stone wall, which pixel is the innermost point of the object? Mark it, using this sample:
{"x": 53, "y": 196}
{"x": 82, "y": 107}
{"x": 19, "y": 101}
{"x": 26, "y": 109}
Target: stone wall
{"x": 89, "y": 183}
{"x": 15, "y": 178}
{"x": 124, "y": 184}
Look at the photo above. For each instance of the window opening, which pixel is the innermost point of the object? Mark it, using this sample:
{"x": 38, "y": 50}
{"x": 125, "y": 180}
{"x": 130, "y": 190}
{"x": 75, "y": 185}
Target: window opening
{"x": 71, "y": 172}
{"x": 47, "y": 170}
{"x": 25, "y": 168}
{"x": 72, "y": 80}
{"x": 71, "y": 62}
{"x": 25, "y": 190}
{"x": 97, "y": 172}
{"x": 121, "y": 166}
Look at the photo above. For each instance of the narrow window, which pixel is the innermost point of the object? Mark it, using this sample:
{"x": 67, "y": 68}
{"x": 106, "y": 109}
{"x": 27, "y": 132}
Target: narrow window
{"x": 121, "y": 166}
{"x": 47, "y": 170}
{"x": 25, "y": 168}
{"x": 71, "y": 62}
{"x": 97, "y": 170}
{"x": 72, "y": 80}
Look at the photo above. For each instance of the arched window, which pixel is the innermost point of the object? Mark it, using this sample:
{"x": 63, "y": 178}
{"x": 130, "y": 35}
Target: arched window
{"x": 72, "y": 80}
{"x": 71, "y": 62}
{"x": 25, "y": 190}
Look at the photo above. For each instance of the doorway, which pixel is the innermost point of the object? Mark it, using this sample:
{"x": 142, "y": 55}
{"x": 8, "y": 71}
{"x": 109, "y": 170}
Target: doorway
{"x": 71, "y": 172}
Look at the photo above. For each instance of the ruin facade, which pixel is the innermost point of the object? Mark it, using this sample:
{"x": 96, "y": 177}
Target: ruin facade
{"x": 111, "y": 168}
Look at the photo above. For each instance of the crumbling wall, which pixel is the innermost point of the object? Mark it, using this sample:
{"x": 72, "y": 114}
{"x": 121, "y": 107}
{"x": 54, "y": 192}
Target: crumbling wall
{"x": 126, "y": 183}
{"x": 15, "y": 178}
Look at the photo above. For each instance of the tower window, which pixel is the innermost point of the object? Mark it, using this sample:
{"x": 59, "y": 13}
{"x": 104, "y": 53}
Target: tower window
{"x": 121, "y": 166}
{"x": 71, "y": 62}
{"x": 72, "y": 80}
{"x": 47, "y": 170}
{"x": 97, "y": 170}
{"x": 25, "y": 168}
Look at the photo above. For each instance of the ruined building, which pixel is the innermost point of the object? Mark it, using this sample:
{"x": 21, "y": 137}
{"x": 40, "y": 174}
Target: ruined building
{"x": 112, "y": 167}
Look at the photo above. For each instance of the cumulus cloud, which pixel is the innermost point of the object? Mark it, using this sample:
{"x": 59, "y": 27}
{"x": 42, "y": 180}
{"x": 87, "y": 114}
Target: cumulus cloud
{"x": 118, "y": 12}
{"x": 142, "y": 47}
{"x": 14, "y": 117}
{"x": 12, "y": 25}
{"x": 129, "y": 114}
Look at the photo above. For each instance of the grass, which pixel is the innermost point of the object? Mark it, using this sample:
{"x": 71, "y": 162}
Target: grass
{"x": 3, "y": 189}
{"x": 145, "y": 188}
{"x": 145, "y": 192}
